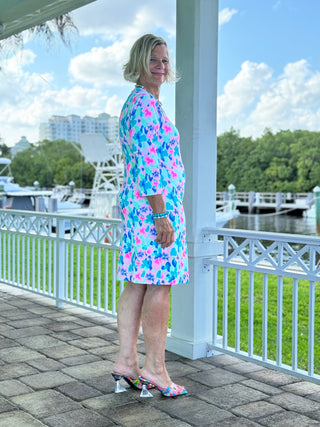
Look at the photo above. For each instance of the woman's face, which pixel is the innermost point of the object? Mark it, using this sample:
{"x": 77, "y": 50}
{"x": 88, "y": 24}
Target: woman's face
{"x": 158, "y": 67}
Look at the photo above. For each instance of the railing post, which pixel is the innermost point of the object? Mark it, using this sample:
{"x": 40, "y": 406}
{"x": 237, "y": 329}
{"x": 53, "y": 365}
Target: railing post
{"x": 232, "y": 193}
{"x": 316, "y": 198}
{"x": 310, "y": 200}
{"x": 60, "y": 260}
{"x": 278, "y": 201}
{"x": 252, "y": 196}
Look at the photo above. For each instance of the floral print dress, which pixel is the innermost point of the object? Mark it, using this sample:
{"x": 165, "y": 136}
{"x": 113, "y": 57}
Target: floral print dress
{"x": 153, "y": 165}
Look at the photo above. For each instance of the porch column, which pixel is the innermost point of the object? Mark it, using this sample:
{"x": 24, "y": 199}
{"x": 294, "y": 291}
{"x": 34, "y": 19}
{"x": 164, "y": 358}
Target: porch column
{"x": 196, "y": 93}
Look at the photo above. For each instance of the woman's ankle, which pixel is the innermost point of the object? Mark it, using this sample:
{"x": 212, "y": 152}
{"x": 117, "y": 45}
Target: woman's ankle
{"x": 126, "y": 366}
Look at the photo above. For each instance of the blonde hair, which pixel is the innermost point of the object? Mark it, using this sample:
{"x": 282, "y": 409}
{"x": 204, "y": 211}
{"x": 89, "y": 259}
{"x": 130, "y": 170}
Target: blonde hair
{"x": 139, "y": 59}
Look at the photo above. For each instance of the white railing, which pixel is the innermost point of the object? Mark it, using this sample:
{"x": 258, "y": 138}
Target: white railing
{"x": 267, "y": 198}
{"x": 70, "y": 259}
{"x": 266, "y": 286}
{"x": 267, "y": 298}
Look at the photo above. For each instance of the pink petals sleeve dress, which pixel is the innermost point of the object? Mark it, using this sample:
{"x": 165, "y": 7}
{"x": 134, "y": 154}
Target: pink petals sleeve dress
{"x": 153, "y": 165}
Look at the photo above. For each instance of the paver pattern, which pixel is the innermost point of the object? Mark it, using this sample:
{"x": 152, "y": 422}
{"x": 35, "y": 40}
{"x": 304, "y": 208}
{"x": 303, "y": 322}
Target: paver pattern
{"x": 55, "y": 366}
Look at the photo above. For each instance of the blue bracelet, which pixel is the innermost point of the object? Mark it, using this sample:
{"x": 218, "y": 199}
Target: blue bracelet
{"x": 161, "y": 215}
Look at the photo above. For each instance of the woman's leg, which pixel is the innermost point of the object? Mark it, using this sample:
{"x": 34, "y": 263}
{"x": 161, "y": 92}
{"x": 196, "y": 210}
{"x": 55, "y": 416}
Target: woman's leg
{"x": 155, "y": 315}
{"x": 129, "y": 319}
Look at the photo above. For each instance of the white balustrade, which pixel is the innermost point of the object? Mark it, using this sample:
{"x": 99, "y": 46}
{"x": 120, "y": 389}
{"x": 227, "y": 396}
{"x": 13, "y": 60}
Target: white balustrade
{"x": 266, "y": 290}
{"x": 71, "y": 259}
{"x": 270, "y": 284}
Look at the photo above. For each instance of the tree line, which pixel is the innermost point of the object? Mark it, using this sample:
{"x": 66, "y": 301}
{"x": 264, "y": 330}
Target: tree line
{"x": 286, "y": 161}
{"x": 52, "y": 163}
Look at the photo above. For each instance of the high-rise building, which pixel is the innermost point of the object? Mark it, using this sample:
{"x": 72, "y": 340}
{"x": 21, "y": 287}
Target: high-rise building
{"x": 22, "y": 145}
{"x": 71, "y": 127}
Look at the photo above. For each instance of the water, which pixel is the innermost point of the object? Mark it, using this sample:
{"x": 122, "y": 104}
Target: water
{"x": 276, "y": 223}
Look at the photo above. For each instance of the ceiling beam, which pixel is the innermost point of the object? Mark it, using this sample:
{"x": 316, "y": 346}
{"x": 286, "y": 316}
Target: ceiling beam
{"x": 19, "y": 15}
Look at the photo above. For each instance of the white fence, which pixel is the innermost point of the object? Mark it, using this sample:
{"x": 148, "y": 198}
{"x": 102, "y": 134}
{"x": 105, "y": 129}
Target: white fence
{"x": 266, "y": 285}
{"x": 70, "y": 259}
{"x": 267, "y": 299}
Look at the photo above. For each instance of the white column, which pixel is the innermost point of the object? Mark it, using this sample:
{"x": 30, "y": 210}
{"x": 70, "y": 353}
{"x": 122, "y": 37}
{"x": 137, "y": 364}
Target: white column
{"x": 196, "y": 94}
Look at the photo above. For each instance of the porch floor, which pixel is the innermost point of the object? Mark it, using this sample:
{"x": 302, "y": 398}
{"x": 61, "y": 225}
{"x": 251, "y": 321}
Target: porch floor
{"x": 55, "y": 369}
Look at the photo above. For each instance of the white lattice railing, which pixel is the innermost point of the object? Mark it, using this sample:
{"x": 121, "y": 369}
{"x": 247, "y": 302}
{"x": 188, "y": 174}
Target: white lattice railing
{"x": 70, "y": 259}
{"x": 267, "y": 299}
{"x": 266, "y": 285}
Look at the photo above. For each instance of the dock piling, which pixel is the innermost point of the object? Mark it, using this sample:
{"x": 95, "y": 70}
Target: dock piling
{"x": 316, "y": 193}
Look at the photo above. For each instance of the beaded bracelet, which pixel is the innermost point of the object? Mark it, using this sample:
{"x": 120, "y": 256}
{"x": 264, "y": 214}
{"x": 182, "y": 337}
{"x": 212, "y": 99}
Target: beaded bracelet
{"x": 161, "y": 215}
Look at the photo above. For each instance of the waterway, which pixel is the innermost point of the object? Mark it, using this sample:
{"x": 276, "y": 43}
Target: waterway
{"x": 276, "y": 223}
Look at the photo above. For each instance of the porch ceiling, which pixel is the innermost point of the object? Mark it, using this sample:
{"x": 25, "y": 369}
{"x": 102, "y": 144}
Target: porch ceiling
{"x": 19, "y": 15}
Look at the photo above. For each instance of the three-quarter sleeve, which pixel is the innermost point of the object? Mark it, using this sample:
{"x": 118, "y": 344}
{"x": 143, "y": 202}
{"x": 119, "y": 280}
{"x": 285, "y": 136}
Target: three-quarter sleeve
{"x": 144, "y": 134}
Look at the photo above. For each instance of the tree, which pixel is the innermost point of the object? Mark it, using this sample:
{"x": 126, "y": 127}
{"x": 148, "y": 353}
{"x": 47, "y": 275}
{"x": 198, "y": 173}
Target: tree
{"x": 287, "y": 161}
{"x": 52, "y": 163}
{"x": 4, "y": 150}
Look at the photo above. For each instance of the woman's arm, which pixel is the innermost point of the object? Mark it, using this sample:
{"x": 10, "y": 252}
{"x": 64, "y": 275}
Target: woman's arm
{"x": 165, "y": 231}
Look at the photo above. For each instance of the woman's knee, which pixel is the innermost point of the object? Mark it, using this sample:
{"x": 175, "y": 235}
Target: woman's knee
{"x": 159, "y": 291}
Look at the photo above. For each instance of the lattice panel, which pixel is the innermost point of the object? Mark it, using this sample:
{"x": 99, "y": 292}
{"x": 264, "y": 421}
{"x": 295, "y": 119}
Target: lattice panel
{"x": 101, "y": 232}
{"x": 26, "y": 223}
{"x": 283, "y": 257}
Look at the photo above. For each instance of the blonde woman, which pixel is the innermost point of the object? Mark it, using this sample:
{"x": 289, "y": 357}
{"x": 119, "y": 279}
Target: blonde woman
{"x": 153, "y": 252}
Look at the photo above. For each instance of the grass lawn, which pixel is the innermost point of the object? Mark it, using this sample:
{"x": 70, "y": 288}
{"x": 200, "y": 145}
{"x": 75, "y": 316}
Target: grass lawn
{"x": 303, "y": 323}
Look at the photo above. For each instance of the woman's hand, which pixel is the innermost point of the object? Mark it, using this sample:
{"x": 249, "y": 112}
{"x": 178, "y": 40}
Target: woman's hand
{"x": 165, "y": 232}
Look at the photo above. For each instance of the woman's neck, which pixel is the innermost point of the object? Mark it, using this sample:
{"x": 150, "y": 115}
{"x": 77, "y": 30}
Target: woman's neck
{"x": 154, "y": 90}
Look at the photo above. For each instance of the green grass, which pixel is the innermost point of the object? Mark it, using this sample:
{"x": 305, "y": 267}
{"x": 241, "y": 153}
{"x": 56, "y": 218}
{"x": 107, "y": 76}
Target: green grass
{"x": 33, "y": 263}
{"x": 303, "y": 323}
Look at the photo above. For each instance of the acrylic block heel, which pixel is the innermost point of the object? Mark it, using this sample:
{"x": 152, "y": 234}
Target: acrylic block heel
{"x": 145, "y": 392}
{"x": 119, "y": 388}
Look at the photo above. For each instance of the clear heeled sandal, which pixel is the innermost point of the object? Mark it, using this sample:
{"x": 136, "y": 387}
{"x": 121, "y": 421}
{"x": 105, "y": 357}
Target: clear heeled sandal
{"x": 135, "y": 384}
{"x": 173, "y": 390}
{"x": 119, "y": 388}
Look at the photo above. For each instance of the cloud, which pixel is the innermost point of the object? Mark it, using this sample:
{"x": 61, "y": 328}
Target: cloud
{"x": 127, "y": 17}
{"x": 27, "y": 98}
{"x": 25, "y": 117}
{"x": 243, "y": 89}
{"x": 101, "y": 65}
{"x": 225, "y": 15}
{"x": 114, "y": 105}
{"x": 255, "y": 99}
{"x": 16, "y": 83}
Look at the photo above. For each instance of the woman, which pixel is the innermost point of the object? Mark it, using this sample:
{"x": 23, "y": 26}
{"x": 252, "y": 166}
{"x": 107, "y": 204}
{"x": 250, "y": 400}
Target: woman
{"x": 153, "y": 253}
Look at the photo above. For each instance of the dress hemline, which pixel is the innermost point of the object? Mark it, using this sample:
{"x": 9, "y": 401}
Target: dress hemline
{"x": 152, "y": 283}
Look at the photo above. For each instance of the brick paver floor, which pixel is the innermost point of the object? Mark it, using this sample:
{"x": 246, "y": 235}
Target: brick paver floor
{"x": 55, "y": 369}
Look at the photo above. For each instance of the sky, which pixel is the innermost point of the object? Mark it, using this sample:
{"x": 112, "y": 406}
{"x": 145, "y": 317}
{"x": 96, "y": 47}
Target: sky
{"x": 268, "y": 66}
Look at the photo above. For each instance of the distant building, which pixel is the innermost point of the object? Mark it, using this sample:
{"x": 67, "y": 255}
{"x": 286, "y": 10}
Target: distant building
{"x": 71, "y": 127}
{"x": 22, "y": 145}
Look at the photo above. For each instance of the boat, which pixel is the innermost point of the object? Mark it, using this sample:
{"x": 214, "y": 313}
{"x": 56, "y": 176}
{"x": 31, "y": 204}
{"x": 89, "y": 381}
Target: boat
{"x": 310, "y": 213}
{"x": 225, "y": 213}
{"x": 12, "y": 196}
